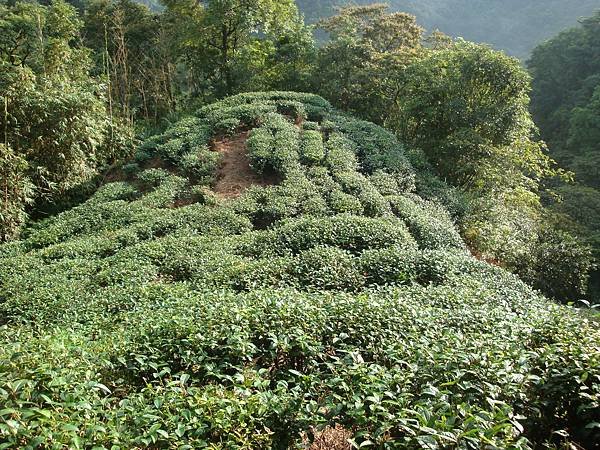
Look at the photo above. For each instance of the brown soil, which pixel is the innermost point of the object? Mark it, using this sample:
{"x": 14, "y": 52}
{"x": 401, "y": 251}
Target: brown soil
{"x": 332, "y": 439}
{"x": 480, "y": 257}
{"x": 157, "y": 163}
{"x": 235, "y": 174}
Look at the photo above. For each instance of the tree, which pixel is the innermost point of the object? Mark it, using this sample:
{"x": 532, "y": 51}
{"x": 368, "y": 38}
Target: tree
{"x": 131, "y": 51}
{"x": 57, "y": 131}
{"x": 566, "y": 74}
{"x": 513, "y": 26}
{"x": 289, "y": 64}
{"x": 583, "y": 144}
{"x": 466, "y": 106}
{"x": 16, "y": 192}
{"x": 360, "y": 68}
{"x": 566, "y": 106}
{"x": 212, "y": 36}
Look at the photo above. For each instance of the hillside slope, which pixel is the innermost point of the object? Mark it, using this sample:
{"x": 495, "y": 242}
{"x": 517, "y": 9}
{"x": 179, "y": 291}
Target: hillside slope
{"x": 514, "y": 26}
{"x": 327, "y": 288}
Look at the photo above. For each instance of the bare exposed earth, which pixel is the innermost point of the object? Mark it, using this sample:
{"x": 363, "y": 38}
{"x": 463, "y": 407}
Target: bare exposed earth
{"x": 332, "y": 438}
{"x": 235, "y": 174}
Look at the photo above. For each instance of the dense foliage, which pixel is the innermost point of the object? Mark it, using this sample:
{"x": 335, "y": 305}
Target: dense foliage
{"x": 193, "y": 52}
{"x": 55, "y": 124}
{"x": 566, "y": 106}
{"x": 157, "y": 314}
{"x": 463, "y": 110}
{"x": 76, "y": 84}
{"x": 514, "y": 26}
{"x": 361, "y": 283}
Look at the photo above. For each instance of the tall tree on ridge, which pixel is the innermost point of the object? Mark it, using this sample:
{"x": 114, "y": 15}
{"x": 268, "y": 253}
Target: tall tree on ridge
{"x": 212, "y": 34}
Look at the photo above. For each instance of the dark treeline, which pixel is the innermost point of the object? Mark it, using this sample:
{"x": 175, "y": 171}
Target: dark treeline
{"x": 566, "y": 107}
{"x": 77, "y": 80}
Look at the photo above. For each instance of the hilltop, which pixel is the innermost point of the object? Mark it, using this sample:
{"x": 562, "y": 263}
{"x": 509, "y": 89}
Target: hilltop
{"x": 269, "y": 273}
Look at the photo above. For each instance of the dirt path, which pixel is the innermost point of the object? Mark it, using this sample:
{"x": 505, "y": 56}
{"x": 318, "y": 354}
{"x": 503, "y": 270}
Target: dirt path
{"x": 235, "y": 174}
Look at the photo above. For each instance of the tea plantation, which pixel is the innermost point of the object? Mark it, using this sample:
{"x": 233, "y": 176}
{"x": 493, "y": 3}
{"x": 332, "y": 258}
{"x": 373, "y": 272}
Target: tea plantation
{"x": 160, "y": 313}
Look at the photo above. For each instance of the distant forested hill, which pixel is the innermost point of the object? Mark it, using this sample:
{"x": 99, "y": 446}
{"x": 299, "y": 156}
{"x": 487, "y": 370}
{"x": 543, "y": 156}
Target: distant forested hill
{"x": 515, "y": 26}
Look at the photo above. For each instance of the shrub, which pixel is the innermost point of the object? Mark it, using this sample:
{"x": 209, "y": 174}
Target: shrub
{"x": 321, "y": 179}
{"x": 312, "y": 126}
{"x": 274, "y": 146}
{"x": 294, "y": 109}
{"x": 262, "y": 273}
{"x": 130, "y": 169}
{"x": 429, "y": 223}
{"x": 168, "y": 188}
{"x": 296, "y": 195}
{"x": 312, "y": 149}
{"x": 391, "y": 265}
{"x": 246, "y": 114}
{"x": 84, "y": 219}
{"x": 288, "y": 360}
{"x": 142, "y": 155}
{"x": 377, "y": 147}
{"x": 562, "y": 266}
{"x": 340, "y": 202}
{"x": 340, "y": 154}
{"x": 260, "y": 143}
{"x": 430, "y": 187}
{"x": 374, "y": 204}
{"x": 114, "y": 191}
{"x": 201, "y": 164}
{"x": 351, "y": 233}
{"x": 325, "y": 267}
{"x": 392, "y": 183}
{"x": 227, "y": 126}
{"x": 401, "y": 265}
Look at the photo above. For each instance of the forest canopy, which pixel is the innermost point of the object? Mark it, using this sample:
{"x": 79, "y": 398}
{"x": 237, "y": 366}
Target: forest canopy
{"x": 514, "y": 26}
{"x": 566, "y": 107}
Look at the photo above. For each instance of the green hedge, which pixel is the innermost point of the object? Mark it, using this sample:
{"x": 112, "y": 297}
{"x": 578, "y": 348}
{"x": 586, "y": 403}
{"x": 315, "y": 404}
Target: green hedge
{"x": 428, "y": 222}
{"x": 405, "y": 367}
{"x": 312, "y": 149}
{"x": 352, "y": 233}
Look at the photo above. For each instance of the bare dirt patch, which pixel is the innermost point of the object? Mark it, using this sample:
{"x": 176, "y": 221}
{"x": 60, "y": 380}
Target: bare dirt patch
{"x": 332, "y": 438}
{"x": 235, "y": 174}
{"x": 479, "y": 256}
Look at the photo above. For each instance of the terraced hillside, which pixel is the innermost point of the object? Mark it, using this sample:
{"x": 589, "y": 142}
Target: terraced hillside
{"x": 273, "y": 274}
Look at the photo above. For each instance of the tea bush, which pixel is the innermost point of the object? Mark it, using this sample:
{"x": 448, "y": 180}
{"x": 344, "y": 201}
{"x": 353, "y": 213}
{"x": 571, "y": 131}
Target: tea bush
{"x": 158, "y": 314}
{"x": 274, "y": 146}
{"x": 312, "y": 147}
{"x": 428, "y": 222}
{"x": 356, "y": 184}
{"x": 340, "y": 202}
{"x": 352, "y": 233}
{"x": 340, "y": 154}
{"x": 328, "y": 268}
